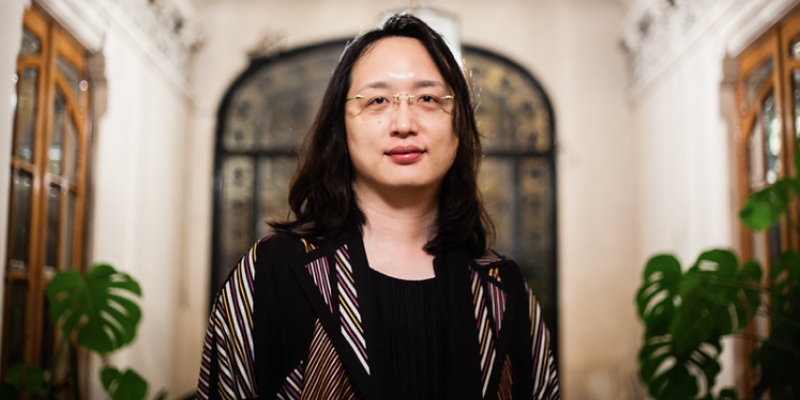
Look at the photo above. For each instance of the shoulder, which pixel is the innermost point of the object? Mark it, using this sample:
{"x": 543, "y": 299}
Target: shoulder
{"x": 501, "y": 269}
{"x": 283, "y": 246}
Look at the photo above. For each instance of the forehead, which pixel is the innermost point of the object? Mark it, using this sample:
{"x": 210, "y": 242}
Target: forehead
{"x": 394, "y": 60}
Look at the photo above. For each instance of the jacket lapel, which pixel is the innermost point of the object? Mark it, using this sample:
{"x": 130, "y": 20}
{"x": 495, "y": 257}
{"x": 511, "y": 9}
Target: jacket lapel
{"x": 476, "y": 315}
{"x": 329, "y": 275}
{"x": 493, "y": 317}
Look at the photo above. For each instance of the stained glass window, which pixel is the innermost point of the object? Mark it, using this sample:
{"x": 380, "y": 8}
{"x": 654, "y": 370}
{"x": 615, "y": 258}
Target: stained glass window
{"x": 270, "y": 106}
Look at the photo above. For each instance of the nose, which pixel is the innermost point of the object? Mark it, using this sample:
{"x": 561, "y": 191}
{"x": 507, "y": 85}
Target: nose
{"x": 403, "y": 121}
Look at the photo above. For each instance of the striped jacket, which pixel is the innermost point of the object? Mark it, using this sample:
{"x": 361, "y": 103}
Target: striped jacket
{"x": 297, "y": 319}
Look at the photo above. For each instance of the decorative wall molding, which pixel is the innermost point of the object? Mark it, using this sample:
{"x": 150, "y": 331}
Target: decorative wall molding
{"x": 168, "y": 25}
{"x": 755, "y": 21}
{"x": 656, "y": 32}
{"x": 82, "y": 18}
{"x": 164, "y": 30}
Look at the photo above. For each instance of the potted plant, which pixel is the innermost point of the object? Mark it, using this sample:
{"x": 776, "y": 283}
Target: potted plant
{"x": 686, "y": 313}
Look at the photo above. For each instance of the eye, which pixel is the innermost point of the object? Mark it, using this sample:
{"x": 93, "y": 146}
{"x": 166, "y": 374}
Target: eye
{"x": 377, "y": 103}
{"x": 428, "y": 98}
{"x": 378, "y": 100}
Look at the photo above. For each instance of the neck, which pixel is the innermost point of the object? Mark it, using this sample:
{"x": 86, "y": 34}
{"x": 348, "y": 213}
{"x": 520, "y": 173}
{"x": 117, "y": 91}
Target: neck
{"x": 396, "y": 231}
{"x": 402, "y": 216}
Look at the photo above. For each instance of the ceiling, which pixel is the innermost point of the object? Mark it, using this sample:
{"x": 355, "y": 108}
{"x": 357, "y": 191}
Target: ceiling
{"x": 623, "y": 4}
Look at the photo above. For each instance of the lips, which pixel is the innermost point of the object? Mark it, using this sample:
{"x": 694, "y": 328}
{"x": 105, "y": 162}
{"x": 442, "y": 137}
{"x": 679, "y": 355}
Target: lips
{"x": 405, "y": 154}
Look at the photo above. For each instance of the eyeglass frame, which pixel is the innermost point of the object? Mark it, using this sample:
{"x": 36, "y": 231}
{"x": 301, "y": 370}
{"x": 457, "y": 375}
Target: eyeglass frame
{"x": 409, "y": 98}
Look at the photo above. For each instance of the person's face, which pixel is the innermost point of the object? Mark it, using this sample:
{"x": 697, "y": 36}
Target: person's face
{"x": 406, "y": 144}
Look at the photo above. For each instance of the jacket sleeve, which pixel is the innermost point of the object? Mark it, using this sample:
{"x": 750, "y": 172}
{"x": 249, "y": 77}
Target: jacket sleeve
{"x": 543, "y": 371}
{"x": 227, "y": 369}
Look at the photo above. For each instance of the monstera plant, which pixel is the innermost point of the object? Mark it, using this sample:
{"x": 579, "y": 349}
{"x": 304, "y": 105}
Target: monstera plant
{"x": 686, "y": 313}
{"x": 97, "y": 312}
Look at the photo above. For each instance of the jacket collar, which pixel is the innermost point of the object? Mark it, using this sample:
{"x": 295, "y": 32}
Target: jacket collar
{"x": 336, "y": 278}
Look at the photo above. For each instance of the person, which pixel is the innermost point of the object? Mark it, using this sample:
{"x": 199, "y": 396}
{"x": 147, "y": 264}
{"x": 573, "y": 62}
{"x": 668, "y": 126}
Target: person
{"x": 384, "y": 284}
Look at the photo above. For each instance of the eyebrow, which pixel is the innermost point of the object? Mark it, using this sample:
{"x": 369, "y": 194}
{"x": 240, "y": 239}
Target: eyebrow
{"x": 417, "y": 85}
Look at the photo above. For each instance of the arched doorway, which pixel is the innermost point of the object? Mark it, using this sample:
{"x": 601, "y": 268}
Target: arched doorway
{"x": 269, "y": 107}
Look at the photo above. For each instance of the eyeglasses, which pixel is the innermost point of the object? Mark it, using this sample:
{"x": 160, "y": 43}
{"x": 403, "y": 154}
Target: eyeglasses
{"x": 380, "y": 104}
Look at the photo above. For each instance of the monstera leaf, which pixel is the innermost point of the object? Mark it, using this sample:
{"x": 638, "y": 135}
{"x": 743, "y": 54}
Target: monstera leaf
{"x": 766, "y": 207}
{"x": 655, "y": 300}
{"x": 686, "y": 314}
{"x": 33, "y": 381}
{"x": 98, "y": 306}
{"x": 778, "y": 357}
{"x": 119, "y": 385}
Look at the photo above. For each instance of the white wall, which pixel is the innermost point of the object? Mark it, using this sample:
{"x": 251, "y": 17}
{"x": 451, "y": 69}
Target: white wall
{"x": 572, "y": 48}
{"x": 139, "y": 178}
{"x": 685, "y": 195}
{"x": 138, "y": 168}
{"x": 10, "y": 39}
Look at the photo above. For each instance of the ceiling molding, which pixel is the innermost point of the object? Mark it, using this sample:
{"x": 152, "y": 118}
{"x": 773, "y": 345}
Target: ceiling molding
{"x": 656, "y": 33}
{"x": 164, "y": 30}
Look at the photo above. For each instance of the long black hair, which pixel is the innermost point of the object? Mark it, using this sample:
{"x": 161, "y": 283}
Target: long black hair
{"x": 321, "y": 194}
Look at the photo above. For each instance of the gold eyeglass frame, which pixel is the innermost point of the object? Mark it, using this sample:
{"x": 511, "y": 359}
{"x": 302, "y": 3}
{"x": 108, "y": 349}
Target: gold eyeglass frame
{"x": 396, "y": 97}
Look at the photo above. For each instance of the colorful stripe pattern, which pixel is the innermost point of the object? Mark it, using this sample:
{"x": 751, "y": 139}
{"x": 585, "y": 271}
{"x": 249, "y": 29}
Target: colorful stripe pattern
{"x": 545, "y": 378}
{"x": 498, "y": 301}
{"x": 230, "y": 336}
{"x": 293, "y": 387}
{"x": 485, "y": 333}
{"x": 349, "y": 314}
{"x": 320, "y": 273}
{"x": 505, "y": 389}
{"x": 325, "y": 377}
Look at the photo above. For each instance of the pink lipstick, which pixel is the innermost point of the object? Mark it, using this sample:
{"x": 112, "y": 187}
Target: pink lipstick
{"x": 405, "y": 154}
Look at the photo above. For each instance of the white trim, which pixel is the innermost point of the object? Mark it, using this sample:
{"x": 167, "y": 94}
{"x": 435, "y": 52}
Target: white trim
{"x": 656, "y": 35}
{"x": 754, "y": 21}
{"x": 148, "y": 27}
{"x": 83, "y": 19}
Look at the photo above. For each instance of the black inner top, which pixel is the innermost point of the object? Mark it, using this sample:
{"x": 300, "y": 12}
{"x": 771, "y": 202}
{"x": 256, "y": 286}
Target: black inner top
{"x": 413, "y": 336}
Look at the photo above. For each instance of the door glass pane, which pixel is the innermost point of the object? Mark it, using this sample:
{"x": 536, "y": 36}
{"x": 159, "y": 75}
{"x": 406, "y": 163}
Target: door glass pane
{"x": 772, "y": 144}
{"x": 30, "y": 44}
{"x": 48, "y": 339}
{"x": 274, "y": 175}
{"x": 26, "y": 113}
{"x": 68, "y": 234}
{"x": 57, "y": 133}
{"x": 237, "y": 210}
{"x": 537, "y": 219}
{"x": 796, "y": 101}
{"x": 71, "y": 75}
{"x": 512, "y": 111}
{"x": 71, "y": 152}
{"x": 20, "y": 219}
{"x": 18, "y": 301}
{"x": 496, "y": 183}
{"x": 774, "y": 235}
{"x": 756, "y": 79}
{"x": 755, "y": 158}
{"x": 794, "y": 48}
{"x": 53, "y": 197}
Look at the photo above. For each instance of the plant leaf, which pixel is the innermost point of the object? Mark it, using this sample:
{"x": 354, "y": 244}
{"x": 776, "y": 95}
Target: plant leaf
{"x": 8, "y": 391}
{"x": 728, "y": 394}
{"x": 655, "y": 298}
{"x": 107, "y": 376}
{"x": 34, "y": 379}
{"x": 778, "y": 358}
{"x": 765, "y": 207}
{"x": 685, "y": 314}
{"x": 97, "y": 306}
{"x": 127, "y": 385}
{"x": 161, "y": 395}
